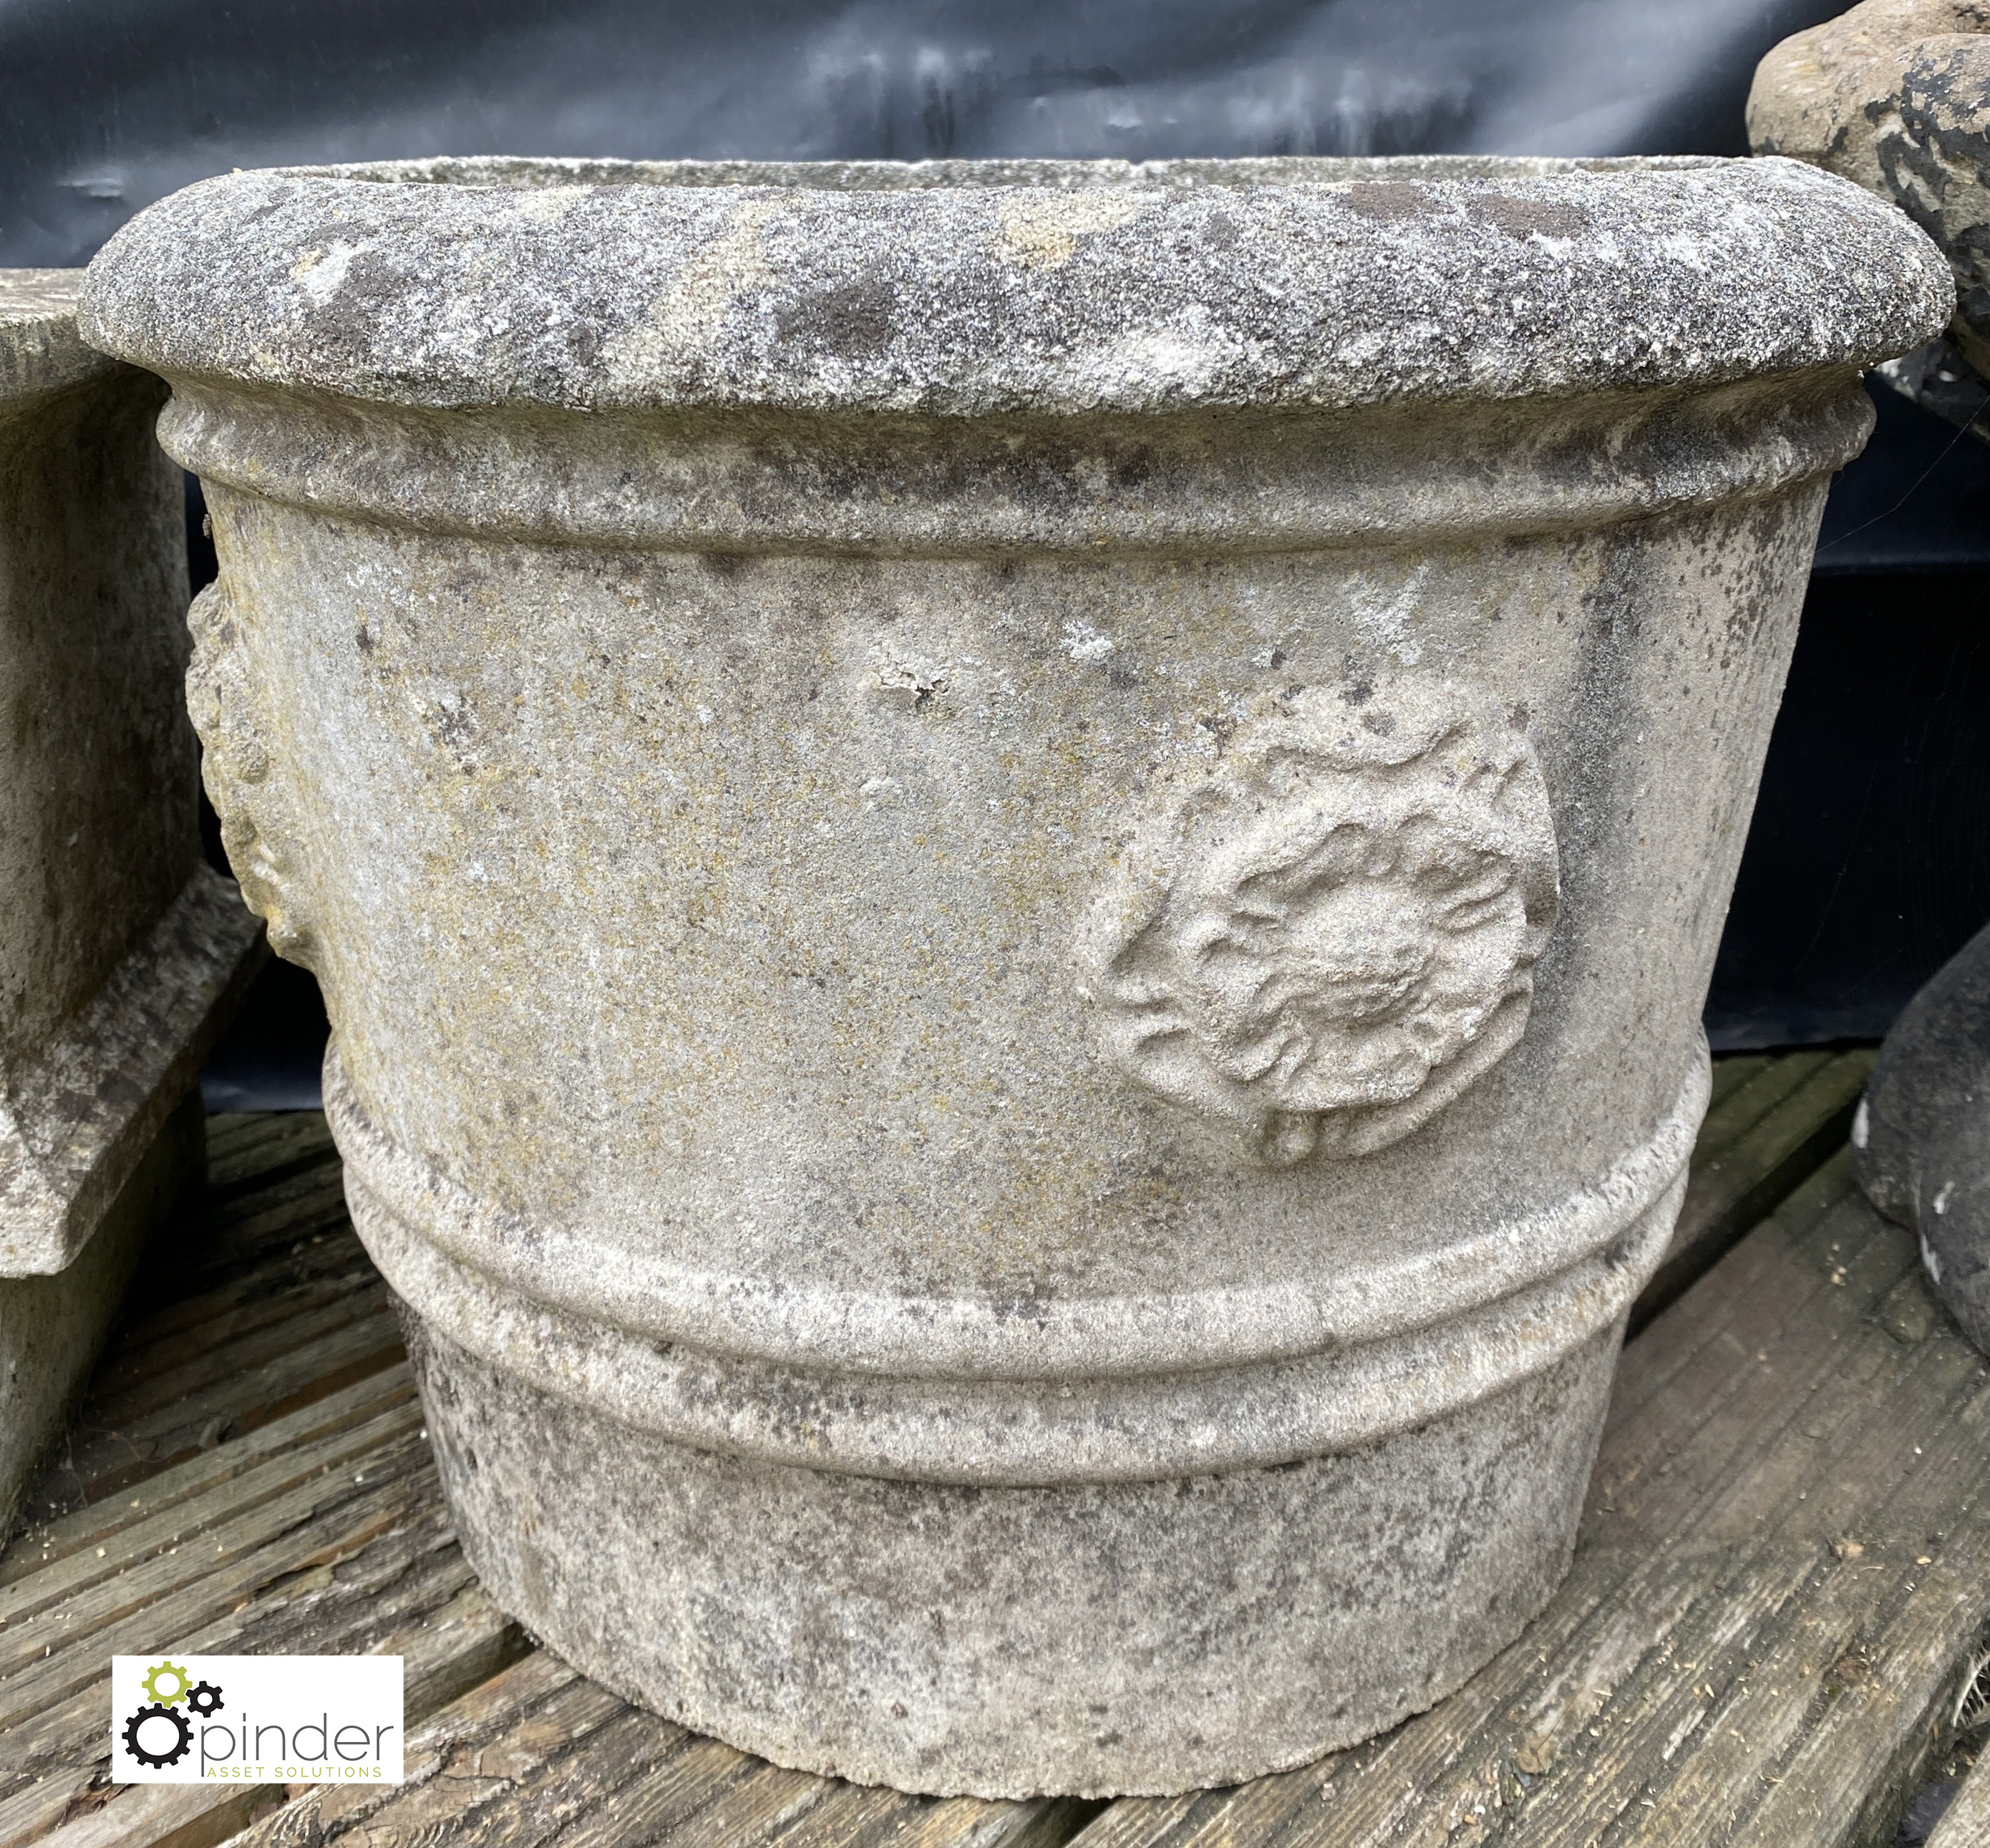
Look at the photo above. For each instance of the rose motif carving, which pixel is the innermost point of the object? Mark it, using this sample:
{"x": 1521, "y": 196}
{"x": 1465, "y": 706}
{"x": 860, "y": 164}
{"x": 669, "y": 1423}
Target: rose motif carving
{"x": 1330, "y": 933}
{"x": 257, "y": 830}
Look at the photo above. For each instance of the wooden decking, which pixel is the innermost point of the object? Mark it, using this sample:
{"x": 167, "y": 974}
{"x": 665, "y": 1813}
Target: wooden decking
{"x": 1781, "y": 1590}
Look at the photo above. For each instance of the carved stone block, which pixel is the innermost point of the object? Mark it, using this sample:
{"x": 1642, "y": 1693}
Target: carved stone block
{"x": 1015, "y": 866}
{"x": 120, "y": 953}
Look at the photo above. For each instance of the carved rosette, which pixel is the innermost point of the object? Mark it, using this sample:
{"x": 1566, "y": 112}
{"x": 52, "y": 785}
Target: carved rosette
{"x": 256, "y": 826}
{"x": 1328, "y": 934}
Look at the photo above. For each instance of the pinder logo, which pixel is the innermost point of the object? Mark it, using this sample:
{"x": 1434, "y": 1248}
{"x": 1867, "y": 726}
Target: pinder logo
{"x": 287, "y": 1719}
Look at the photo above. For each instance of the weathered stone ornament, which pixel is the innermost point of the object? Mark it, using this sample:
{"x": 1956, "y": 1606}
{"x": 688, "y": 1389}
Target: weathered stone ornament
{"x": 1015, "y": 865}
{"x": 1895, "y": 95}
{"x": 120, "y": 954}
{"x": 1921, "y": 1140}
{"x": 1331, "y": 933}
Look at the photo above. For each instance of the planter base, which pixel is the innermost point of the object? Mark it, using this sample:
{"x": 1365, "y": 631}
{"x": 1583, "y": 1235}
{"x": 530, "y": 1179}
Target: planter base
{"x": 1141, "y": 1637}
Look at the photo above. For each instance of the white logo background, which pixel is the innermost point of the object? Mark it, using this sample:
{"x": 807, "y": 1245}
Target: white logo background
{"x": 256, "y": 1719}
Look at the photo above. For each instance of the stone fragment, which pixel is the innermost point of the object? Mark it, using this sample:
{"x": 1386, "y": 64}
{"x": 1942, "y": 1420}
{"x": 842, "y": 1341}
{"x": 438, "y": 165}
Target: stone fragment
{"x": 52, "y": 1327}
{"x": 1938, "y": 378}
{"x": 1015, "y": 867}
{"x": 1921, "y": 1140}
{"x": 120, "y": 953}
{"x": 1895, "y": 95}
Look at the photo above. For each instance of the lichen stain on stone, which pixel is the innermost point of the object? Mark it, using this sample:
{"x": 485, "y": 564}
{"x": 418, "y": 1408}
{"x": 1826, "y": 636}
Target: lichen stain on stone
{"x": 853, "y": 319}
{"x": 1528, "y": 217}
{"x": 1040, "y": 231}
{"x": 705, "y": 291}
{"x": 1389, "y": 201}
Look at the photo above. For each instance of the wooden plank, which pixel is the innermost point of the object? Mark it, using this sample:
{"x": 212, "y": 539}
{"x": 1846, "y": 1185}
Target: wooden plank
{"x": 1752, "y": 1303}
{"x": 75, "y": 1733}
{"x": 99, "y": 1462}
{"x": 1804, "y": 1484}
{"x": 334, "y": 1269}
{"x": 494, "y": 1736}
{"x": 759, "y": 1800}
{"x": 446, "y": 1652}
{"x": 230, "y": 1130}
{"x": 1242, "y": 1812}
{"x": 188, "y": 1521}
{"x": 1731, "y": 1070}
{"x": 1734, "y": 1109}
{"x": 100, "y": 1523}
{"x": 259, "y": 1201}
{"x": 165, "y": 1601}
{"x": 239, "y": 1231}
{"x": 270, "y": 1327}
{"x": 664, "y": 1765}
{"x": 1966, "y": 1822}
{"x": 64, "y": 1793}
{"x": 164, "y": 1816}
{"x": 462, "y": 1647}
{"x": 275, "y": 1148}
{"x": 1134, "y": 1821}
{"x": 851, "y": 1815}
{"x": 539, "y": 1754}
{"x": 972, "y": 1822}
{"x": 687, "y": 1774}
{"x": 245, "y": 1341}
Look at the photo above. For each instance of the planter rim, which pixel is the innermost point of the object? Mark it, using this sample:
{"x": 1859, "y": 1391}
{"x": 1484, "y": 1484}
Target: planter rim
{"x": 40, "y": 349}
{"x": 963, "y": 289}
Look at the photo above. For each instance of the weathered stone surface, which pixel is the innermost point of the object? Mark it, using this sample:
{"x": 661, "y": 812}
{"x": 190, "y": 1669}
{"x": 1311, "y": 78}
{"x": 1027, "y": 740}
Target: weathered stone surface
{"x": 1015, "y": 868}
{"x": 1921, "y": 1140}
{"x": 1938, "y": 378}
{"x": 51, "y": 1327}
{"x": 1895, "y": 94}
{"x": 1277, "y": 1599}
{"x": 120, "y": 953}
{"x": 1029, "y": 287}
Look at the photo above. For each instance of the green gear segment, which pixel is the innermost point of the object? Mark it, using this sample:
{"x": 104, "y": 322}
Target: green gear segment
{"x": 173, "y": 1672}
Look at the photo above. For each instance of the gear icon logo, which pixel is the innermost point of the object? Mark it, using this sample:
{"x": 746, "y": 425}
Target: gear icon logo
{"x": 205, "y": 1698}
{"x": 160, "y": 1733}
{"x": 170, "y": 1672}
{"x": 157, "y": 1760}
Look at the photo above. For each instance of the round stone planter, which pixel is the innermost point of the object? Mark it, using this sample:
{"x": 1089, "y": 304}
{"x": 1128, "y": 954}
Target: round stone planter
{"x": 1015, "y": 866}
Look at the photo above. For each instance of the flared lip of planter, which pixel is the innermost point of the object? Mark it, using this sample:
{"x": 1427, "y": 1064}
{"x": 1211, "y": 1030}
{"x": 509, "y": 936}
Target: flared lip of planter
{"x": 40, "y": 349}
{"x": 972, "y": 288}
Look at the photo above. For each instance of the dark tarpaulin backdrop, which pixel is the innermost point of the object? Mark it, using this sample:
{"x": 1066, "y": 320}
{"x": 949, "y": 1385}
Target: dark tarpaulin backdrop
{"x": 1869, "y": 860}
{"x": 109, "y": 104}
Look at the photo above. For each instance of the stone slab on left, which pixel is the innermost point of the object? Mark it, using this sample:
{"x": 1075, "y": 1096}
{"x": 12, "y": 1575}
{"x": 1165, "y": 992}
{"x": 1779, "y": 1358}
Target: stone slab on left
{"x": 121, "y": 954}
